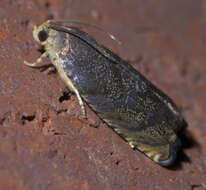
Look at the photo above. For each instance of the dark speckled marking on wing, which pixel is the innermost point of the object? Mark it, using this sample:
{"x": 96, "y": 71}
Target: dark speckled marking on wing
{"x": 124, "y": 99}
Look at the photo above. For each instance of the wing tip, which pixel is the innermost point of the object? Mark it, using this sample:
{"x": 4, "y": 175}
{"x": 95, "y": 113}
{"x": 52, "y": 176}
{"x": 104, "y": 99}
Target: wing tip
{"x": 174, "y": 149}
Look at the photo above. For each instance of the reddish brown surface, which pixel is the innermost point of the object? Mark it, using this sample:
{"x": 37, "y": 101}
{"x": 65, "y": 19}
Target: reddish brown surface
{"x": 45, "y": 143}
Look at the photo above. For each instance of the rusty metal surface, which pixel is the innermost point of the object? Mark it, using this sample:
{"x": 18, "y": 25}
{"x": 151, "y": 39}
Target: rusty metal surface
{"x": 45, "y": 143}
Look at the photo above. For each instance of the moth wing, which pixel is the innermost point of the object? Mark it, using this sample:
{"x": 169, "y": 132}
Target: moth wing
{"x": 158, "y": 147}
{"x": 88, "y": 39}
{"x": 148, "y": 129}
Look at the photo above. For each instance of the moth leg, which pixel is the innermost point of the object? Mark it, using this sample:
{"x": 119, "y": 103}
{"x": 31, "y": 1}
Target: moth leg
{"x": 38, "y": 62}
{"x": 81, "y": 103}
{"x": 132, "y": 145}
{"x": 50, "y": 69}
{"x": 71, "y": 87}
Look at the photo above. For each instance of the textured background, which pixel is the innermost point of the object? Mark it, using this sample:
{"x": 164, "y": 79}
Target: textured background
{"x": 45, "y": 143}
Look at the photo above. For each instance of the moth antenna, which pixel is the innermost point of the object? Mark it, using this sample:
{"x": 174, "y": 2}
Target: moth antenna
{"x": 89, "y": 25}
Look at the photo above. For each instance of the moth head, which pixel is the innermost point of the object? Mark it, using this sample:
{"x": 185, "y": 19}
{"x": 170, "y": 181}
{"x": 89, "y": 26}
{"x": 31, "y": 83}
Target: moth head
{"x": 42, "y": 33}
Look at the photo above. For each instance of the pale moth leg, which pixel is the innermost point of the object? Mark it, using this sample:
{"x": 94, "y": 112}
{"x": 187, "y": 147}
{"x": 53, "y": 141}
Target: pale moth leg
{"x": 81, "y": 103}
{"x": 38, "y": 62}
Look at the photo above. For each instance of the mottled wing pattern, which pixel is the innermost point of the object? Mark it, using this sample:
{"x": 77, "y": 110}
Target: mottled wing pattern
{"x": 139, "y": 112}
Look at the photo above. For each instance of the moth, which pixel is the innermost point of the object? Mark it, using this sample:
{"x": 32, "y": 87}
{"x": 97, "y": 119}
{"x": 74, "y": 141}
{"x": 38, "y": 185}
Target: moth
{"x": 131, "y": 105}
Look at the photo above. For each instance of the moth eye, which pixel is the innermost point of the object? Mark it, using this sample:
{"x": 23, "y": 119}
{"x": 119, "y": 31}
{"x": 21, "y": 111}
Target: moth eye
{"x": 42, "y": 35}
